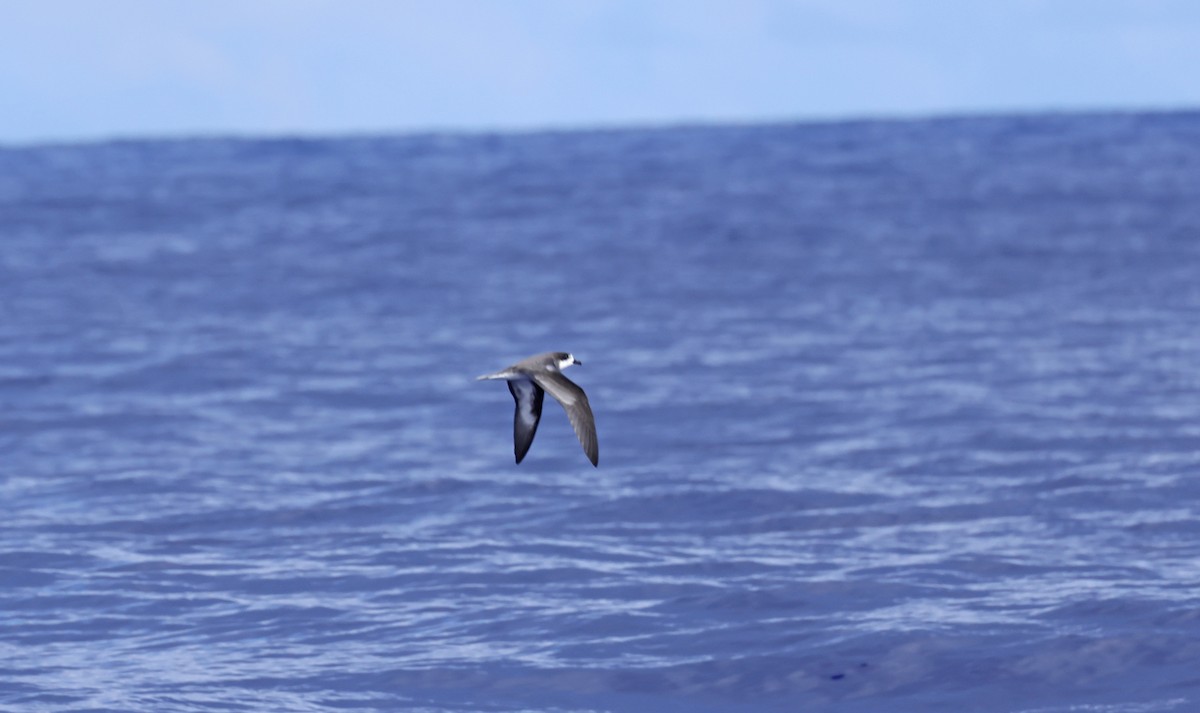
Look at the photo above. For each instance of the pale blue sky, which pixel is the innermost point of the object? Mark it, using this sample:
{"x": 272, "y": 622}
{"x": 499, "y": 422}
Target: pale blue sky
{"x": 85, "y": 69}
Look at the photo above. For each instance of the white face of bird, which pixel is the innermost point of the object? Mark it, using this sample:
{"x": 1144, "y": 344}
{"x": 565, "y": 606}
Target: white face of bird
{"x": 567, "y": 360}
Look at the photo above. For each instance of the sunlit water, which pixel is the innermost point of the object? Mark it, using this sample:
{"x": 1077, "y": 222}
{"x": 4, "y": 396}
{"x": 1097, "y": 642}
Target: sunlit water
{"x": 898, "y": 416}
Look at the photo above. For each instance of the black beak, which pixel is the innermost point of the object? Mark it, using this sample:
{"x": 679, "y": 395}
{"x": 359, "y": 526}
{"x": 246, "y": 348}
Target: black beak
{"x": 577, "y": 362}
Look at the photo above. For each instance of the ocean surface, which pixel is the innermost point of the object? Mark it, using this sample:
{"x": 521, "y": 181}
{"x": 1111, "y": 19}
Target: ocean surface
{"x": 894, "y": 416}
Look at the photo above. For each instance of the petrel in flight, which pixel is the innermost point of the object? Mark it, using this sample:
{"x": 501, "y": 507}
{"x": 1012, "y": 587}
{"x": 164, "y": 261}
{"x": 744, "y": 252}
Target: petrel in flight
{"x": 529, "y": 380}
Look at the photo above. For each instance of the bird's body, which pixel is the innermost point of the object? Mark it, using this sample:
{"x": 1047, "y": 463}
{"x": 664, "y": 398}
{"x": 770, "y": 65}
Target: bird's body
{"x": 528, "y": 381}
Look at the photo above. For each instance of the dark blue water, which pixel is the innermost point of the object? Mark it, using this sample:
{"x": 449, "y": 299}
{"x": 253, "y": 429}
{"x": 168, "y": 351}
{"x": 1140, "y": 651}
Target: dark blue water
{"x": 896, "y": 416}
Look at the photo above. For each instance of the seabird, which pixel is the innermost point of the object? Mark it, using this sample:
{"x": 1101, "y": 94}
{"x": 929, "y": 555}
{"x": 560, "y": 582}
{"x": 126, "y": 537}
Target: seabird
{"x": 528, "y": 381}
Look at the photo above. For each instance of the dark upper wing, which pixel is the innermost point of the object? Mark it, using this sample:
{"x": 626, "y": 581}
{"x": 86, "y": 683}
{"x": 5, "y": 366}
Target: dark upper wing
{"x": 575, "y": 403}
{"x": 528, "y": 396}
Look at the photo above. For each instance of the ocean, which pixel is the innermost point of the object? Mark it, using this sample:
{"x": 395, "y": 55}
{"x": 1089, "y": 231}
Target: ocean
{"x": 894, "y": 415}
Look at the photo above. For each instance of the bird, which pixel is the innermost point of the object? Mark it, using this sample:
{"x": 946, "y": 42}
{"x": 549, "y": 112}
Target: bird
{"x": 528, "y": 381}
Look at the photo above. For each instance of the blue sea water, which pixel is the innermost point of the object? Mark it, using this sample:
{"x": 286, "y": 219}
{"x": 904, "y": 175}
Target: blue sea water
{"x": 893, "y": 416}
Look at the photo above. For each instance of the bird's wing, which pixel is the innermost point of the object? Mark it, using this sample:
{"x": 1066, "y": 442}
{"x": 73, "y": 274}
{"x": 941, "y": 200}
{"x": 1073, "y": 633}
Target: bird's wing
{"x": 575, "y": 403}
{"x": 528, "y": 396}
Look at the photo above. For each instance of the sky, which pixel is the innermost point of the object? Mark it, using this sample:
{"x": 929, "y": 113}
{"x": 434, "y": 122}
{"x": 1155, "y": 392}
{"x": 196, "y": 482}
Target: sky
{"x": 78, "y": 70}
